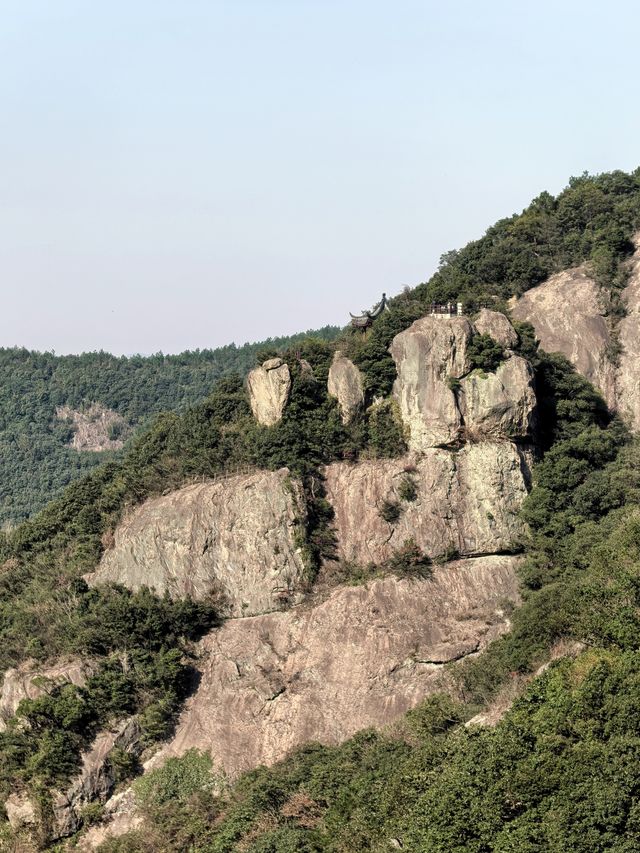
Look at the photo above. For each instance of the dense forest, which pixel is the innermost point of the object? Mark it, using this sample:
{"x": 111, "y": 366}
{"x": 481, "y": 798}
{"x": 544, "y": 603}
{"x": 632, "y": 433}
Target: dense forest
{"x": 36, "y": 461}
{"x": 560, "y": 771}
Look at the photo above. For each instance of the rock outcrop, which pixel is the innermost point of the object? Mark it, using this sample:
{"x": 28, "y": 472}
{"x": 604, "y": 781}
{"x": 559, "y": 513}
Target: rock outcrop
{"x": 275, "y": 682}
{"x": 95, "y": 783}
{"x": 567, "y": 314}
{"x": 427, "y": 355}
{"x": 628, "y": 375}
{"x": 269, "y": 387}
{"x": 233, "y": 538}
{"x": 346, "y": 385}
{"x": 497, "y": 326}
{"x": 500, "y": 404}
{"x": 29, "y": 681}
{"x": 465, "y": 502}
{"x": 95, "y": 428}
{"x": 97, "y": 777}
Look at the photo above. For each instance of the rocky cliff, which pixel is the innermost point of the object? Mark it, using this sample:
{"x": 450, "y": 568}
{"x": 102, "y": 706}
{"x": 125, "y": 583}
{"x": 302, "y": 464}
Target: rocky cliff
{"x": 466, "y": 502}
{"x": 274, "y": 682}
{"x": 569, "y": 316}
{"x": 233, "y": 539}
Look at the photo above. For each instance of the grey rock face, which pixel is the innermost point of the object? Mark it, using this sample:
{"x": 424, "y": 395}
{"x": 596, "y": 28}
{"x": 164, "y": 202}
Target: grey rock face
{"x": 97, "y": 777}
{"x": 345, "y": 384}
{"x": 496, "y": 325}
{"x": 500, "y": 404}
{"x": 274, "y": 682}
{"x": 466, "y": 502}
{"x": 628, "y": 374}
{"x": 269, "y": 387}
{"x": 567, "y": 314}
{"x": 29, "y": 681}
{"x": 233, "y": 537}
{"x": 427, "y": 354}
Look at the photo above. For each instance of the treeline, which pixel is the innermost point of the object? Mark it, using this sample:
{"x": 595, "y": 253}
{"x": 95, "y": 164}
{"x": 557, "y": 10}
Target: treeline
{"x": 35, "y": 460}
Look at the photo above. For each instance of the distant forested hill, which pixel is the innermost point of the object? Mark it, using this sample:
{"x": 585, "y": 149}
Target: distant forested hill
{"x": 36, "y": 461}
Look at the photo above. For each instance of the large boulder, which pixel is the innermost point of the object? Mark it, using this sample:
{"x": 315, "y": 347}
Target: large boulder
{"x": 233, "y": 538}
{"x": 346, "y": 385}
{"x": 567, "y": 313}
{"x": 428, "y": 354}
{"x": 30, "y": 681}
{"x": 363, "y": 657}
{"x": 465, "y": 502}
{"x": 499, "y": 404}
{"x": 269, "y": 387}
{"x": 497, "y": 326}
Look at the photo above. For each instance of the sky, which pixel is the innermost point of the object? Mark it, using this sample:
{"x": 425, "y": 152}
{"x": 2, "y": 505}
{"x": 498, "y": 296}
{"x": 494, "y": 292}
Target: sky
{"x": 183, "y": 174}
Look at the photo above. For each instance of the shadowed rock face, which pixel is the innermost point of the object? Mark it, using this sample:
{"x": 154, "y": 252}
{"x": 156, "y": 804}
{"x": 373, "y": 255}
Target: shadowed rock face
{"x": 345, "y": 384}
{"x": 466, "y": 502}
{"x": 234, "y": 536}
{"x": 29, "y": 682}
{"x": 567, "y": 315}
{"x": 427, "y": 354}
{"x": 275, "y": 682}
{"x": 269, "y": 386}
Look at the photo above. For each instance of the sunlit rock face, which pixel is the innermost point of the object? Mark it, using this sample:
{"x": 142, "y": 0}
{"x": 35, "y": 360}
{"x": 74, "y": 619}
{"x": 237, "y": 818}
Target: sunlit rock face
{"x": 233, "y": 538}
{"x": 269, "y": 386}
{"x": 429, "y": 354}
{"x": 346, "y": 385}
{"x": 362, "y": 657}
{"x": 567, "y": 313}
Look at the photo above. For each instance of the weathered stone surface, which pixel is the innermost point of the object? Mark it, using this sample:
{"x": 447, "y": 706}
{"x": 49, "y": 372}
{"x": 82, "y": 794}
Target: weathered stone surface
{"x": 233, "y": 537}
{"x": 345, "y": 384}
{"x": 361, "y": 658}
{"x": 427, "y": 354}
{"x": 500, "y": 404}
{"x": 567, "y": 315}
{"x": 466, "y": 502}
{"x": 269, "y": 387}
{"x": 628, "y": 375}
{"x": 20, "y": 811}
{"x": 93, "y": 427}
{"x": 496, "y": 325}
{"x": 29, "y": 681}
{"x": 96, "y": 779}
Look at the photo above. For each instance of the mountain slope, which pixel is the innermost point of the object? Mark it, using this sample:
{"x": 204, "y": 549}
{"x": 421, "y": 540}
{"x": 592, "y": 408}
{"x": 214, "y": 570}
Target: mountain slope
{"x": 428, "y": 782}
{"x": 41, "y": 394}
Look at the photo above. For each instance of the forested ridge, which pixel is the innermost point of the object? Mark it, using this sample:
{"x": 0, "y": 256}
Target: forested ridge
{"x": 36, "y": 462}
{"x": 560, "y": 772}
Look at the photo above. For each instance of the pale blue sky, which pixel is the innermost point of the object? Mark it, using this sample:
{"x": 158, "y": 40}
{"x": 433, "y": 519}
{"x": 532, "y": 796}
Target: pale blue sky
{"x": 181, "y": 174}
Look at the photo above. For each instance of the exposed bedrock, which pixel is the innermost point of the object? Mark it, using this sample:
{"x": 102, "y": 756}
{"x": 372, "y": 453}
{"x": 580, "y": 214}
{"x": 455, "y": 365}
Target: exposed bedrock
{"x": 628, "y": 376}
{"x": 465, "y": 502}
{"x": 346, "y": 385}
{"x": 568, "y": 315}
{"x": 497, "y": 326}
{"x": 442, "y": 402}
{"x": 500, "y": 404}
{"x": 269, "y": 386}
{"x": 428, "y": 354}
{"x": 234, "y": 537}
{"x": 362, "y": 657}
{"x": 29, "y": 681}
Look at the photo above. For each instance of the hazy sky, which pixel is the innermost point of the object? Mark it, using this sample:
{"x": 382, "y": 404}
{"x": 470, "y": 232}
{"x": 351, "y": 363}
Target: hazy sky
{"x": 179, "y": 174}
